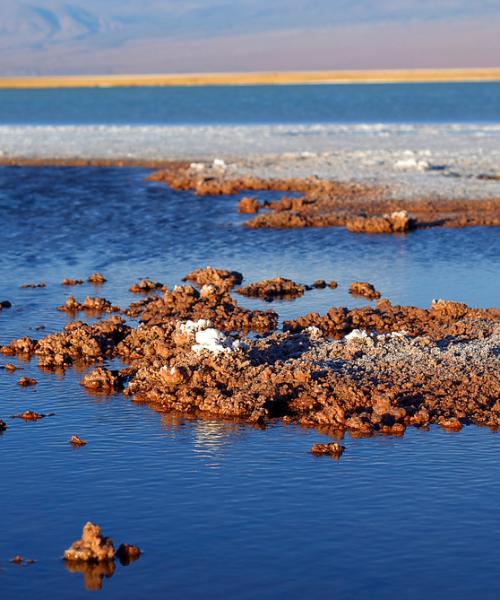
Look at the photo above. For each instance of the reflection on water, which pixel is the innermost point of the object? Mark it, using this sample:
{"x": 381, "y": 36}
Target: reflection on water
{"x": 93, "y": 573}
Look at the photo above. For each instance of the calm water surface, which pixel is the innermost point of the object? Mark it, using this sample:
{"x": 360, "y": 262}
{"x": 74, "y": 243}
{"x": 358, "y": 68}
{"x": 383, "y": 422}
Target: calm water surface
{"x": 394, "y": 103}
{"x": 222, "y": 509}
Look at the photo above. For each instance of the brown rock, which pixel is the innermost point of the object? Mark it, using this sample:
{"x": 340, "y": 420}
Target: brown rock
{"x": 332, "y": 284}
{"x": 362, "y": 288}
{"x": 217, "y": 277}
{"x": 249, "y": 206}
{"x": 33, "y": 285}
{"x": 96, "y": 278}
{"x": 332, "y": 449}
{"x": 128, "y": 553}
{"x": 26, "y": 381}
{"x": 145, "y": 285}
{"x": 271, "y": 289}
{"x": 319, "y": 284}
{"x": 67, "y": 281}
{"x": 92, "y": 547}
{"x": 76, "y": 441}
{"x": 102, "y": 380}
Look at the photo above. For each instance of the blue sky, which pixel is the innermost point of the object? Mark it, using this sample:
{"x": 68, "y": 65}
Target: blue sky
{"x": 99, "y": 36}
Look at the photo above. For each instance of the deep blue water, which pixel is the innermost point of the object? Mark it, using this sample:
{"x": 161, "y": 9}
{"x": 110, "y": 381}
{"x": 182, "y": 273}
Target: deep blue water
{"x": 370, "y": 103}
{"x": 222, "y": 509}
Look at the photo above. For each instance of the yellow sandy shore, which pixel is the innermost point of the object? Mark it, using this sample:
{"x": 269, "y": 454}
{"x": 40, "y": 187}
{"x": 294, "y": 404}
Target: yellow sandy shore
{"x": 269, "y": 78}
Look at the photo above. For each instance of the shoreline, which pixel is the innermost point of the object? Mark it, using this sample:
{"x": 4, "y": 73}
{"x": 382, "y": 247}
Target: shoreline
{"x": 379, "y": 76}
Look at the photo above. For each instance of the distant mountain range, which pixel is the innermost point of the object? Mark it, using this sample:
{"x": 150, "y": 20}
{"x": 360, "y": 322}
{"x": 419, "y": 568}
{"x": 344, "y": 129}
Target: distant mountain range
{"x": 113, "y": 36}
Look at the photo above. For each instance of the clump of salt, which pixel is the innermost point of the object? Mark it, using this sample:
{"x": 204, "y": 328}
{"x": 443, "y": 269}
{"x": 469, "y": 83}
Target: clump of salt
{"x": 213, "y": 340}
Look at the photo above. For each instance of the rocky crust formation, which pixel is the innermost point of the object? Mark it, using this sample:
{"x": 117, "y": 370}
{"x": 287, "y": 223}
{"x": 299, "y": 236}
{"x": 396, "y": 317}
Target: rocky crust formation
{"x": 91, "y": 547}
{"x": 376, "y": 369}
{"x": 325, "y": 203}
{"x": 271, "y": 289}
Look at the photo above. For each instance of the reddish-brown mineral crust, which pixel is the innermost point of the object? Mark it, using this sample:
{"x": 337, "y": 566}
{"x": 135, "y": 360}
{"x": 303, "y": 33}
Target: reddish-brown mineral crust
{"x": 92, "y": 547}
{"x": 96, "y": 278}
{"x": 396, "y": 222}
{"x": 212, "y": 303}
{"x": 443, "y": 318}
{"x": 77, "y": 441}
{"x": 128, "y": 553}
{"x": 31, "y": 415}
{"x": 362, "y": 288}
{"x": 90, "y": 304}
{"x": 445, "y": 370}
{"x": 327, "y": 203}
{"x": 41, "y": 284}
{"x": 219, "y": 278}
{"x": 271, "y": 289}
{"x": 21, "y": 346}
{"x": 145, "y": 285}
{"x": 67, "y": 281}
{"x": 102, "y": 380}
{"x": 364, "y": 384}
{"x": 249, "y": 206}
{"x": 26, "y": 381}
{"x": 80, "y": 343}
{"x": 331, "y": 449}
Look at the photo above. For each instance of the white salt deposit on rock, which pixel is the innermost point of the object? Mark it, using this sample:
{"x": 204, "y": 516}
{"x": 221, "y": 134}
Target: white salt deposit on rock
{"x": 219, "y": 164}
{"x": 412, "y": 164}
{"x": 214, "y": 341}
{"x": 356, "y": 334}
{"x": 194, "y": 326}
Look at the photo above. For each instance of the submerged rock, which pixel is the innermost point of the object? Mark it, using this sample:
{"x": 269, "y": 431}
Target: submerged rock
{"x": 91, "y": 547}
{"x": 362, "y": 288}
{"x": 26, "y": 381}
{"x": 96, "y": 278}
{"x": 3, "y": 425}
{"x": 102, "y": 380}
{"x": 127, "y": 553}
{"x": 76, "y": 441}
{"x": 332, "y": 449}
{"x": 270, "y": 289}
{"x": 5, "y": 304}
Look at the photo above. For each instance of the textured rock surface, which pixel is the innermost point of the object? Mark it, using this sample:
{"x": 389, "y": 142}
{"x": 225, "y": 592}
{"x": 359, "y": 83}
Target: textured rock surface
{"x": 91, "y": 547}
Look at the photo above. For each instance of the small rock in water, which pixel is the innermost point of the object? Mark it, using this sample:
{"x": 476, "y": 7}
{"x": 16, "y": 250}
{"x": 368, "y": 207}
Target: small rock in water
{"x": 27, "y": 381}
{"x": 30, "y": 415}
{"x": 96, "y": 278}
{"x": 10, "y": 367}
{"x": 5, "y": 304}
{"x": 332, "y": 449}
{"x": 76, "y": 441}
{"x": 41, "y": 284}
{"x": 67, "y": 281}
{"x": 127, "y": 553}
{"x": 3, "y": 425}
{"x": 92, "y": 547}
{"x": 19, "y": 560}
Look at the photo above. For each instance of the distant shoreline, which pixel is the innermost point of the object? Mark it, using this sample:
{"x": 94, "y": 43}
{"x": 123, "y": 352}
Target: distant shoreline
{"x": 260, "y": 78}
